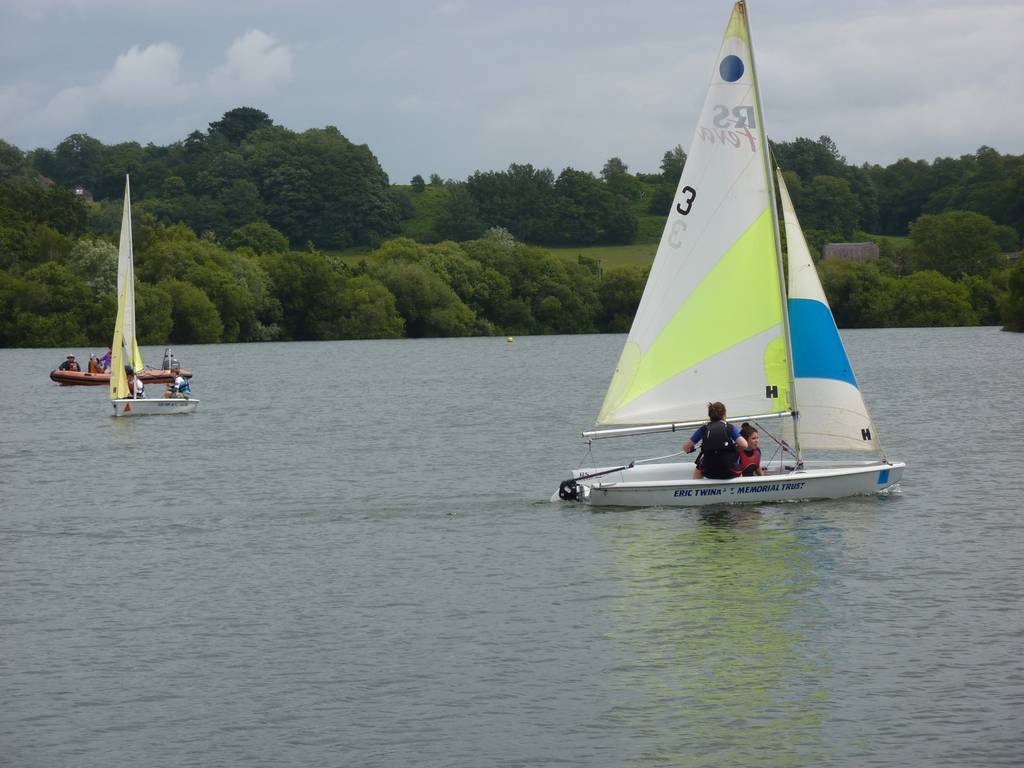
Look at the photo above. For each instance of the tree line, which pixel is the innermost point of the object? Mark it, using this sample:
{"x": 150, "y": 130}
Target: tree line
{"x": 238, "y": 228}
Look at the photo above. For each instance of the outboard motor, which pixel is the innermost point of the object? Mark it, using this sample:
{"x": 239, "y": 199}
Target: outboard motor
{"x": 569, "y": 490}
{"x": 170, "y": 361}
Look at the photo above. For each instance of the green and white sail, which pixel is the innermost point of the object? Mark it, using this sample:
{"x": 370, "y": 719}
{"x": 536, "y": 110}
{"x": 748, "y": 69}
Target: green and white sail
{"x": 833, "y": 415}
{"x": 711, "y": 322}
{"x": 124, "y": 348}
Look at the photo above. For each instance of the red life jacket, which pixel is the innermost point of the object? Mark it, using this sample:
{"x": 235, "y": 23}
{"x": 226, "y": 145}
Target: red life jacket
{"x": 750, "y": 458}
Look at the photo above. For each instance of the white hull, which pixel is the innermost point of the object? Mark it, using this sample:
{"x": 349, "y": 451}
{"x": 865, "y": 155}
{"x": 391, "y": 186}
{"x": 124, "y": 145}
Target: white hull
{"x": 153, "y": 406}
{"x": 672, "y": 485}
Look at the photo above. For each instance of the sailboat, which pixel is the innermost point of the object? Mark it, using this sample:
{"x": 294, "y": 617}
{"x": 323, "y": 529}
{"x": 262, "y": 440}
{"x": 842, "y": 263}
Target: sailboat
{"x": 715, "y": 323}
{"x": 124, "y": 349}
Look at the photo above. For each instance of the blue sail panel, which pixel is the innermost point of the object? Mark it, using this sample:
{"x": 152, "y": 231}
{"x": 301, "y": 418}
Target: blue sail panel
{"x": 818, "y": 352}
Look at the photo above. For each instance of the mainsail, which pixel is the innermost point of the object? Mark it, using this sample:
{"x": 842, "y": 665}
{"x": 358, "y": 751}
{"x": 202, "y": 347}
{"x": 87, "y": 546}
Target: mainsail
{"x": 126, "y": 281}
{"x": 124, "y": 348}
{"x": 832, "y": 410}
{"x": 711, "y": 322}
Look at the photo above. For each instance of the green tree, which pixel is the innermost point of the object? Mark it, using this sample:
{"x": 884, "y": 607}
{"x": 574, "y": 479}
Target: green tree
{"x": 955, "y": 243}
{"x": 154, "y": 315}
{"x": 239, "y": 124}
{"x": 53, "y": 309}
{"x": 929, "y": 299}
{"x": 1008, "y": 238}
{"x": 985, "y": 297}
{"x": 78, "y": 160}
{"x": 619, "y": 293}
{"x": 619, "y": 180}
{"x": 586, "y": 212}
{"x": 459, "y": 217}
{"x": 12, "y": 161}
{"x": 829, "y": 204}
{"x": 1013, "y": 302}
{"x": 321, "y": 188}
{"x": 808, "y": 158}
{"x": 195, "y": 318}
{"x": 519, "y": 200}
{"x": 418, "y": 184}
{"x": 260, "y": 237}
{"x": 427, "y": 303}
{"x": 672, "y": 163}
{"x": 95, "y": 261}
{"x": 370, "y": 310}
{"x": 859, "y": 294}
{"x": 308, "y": 290}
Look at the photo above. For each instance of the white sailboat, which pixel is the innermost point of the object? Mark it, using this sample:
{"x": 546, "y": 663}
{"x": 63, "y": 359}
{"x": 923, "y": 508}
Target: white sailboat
{"x": 124, "y": 349}
{"x": 715, "y": 324}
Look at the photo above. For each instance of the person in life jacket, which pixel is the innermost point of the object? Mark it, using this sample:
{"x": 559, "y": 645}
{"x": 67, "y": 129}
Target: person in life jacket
{"x": 750, "y": 457}
{"x": 180, "y": 388}
{"x": 70, "y": 364}
{"x": 720, "y": 446}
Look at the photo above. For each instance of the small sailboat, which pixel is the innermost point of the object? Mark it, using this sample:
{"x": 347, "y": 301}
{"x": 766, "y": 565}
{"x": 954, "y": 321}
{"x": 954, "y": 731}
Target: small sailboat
{"x": 715, "y": 323}
{"x": 124, "y": 349}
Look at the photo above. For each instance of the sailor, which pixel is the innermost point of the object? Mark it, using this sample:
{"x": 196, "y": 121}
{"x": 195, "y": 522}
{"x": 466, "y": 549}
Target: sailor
{"x": 750, "y": 457}
{"x": 720, "y": 442}
{"x": 180, "y": 388}
{"x": 136, "y": 389}
{"x": 70, "y": 364}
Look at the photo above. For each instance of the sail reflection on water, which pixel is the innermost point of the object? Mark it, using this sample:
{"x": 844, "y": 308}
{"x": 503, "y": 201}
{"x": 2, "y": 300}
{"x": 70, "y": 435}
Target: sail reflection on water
{"x": 713, "y": 654}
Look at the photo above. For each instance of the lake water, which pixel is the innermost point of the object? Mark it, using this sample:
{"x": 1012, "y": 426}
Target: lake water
{"x": 348, "y": 557}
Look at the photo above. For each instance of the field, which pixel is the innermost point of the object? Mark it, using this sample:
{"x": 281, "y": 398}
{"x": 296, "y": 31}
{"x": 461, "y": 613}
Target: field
{"x": 612, "y": 256}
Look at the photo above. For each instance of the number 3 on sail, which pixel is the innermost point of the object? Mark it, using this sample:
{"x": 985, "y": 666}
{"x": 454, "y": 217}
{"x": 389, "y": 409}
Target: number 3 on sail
{"x": 782, "y": 359}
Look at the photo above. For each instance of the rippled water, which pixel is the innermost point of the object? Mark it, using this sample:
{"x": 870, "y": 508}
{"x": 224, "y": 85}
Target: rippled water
{"x": 348, "y": 557}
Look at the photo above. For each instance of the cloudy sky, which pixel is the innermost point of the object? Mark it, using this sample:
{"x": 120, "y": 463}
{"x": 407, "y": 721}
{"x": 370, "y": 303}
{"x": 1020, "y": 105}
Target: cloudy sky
{"x": 454, "y": 86}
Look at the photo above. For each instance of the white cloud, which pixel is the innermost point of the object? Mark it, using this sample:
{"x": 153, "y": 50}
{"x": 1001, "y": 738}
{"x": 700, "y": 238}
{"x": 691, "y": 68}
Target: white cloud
{"x": 69, "y": 107}
{"x": 910, "y": 82}
{"x": 149, "y": 75}
{"x": 141, "y": 77}
{"x": 254, "y": 64}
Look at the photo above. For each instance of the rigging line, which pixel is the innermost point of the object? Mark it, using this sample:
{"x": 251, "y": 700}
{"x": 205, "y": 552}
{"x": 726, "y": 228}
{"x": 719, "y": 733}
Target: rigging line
{"x": 588, "y": 454}
{"x": 626, "y": 466}
{"x": 657, "y": 458}
{"x": 781, "y": 443}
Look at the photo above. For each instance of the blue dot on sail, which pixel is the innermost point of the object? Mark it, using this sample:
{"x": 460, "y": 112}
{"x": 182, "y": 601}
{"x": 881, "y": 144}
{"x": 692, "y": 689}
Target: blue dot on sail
{"x": 731, "y": 68}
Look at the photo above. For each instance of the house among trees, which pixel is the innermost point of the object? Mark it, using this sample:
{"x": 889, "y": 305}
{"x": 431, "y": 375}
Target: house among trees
{"x": 82, "y": 192}
{"x": 850, "y": 251}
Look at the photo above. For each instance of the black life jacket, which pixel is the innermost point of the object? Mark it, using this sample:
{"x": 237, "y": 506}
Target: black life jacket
{"x": 718, "y": 451}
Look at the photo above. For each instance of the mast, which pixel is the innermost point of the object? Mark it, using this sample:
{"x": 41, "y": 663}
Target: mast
{"x": 770, "y": 181}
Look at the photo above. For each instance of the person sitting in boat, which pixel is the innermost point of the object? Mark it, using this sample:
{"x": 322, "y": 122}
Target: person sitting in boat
{"x": 139, "y": 388}
{"x": 180, "y": 388}
{"x": 135, "y": 388}
{"x": 720, "y": 446}
{"x": 105, "y": 362}
{"x": 70, "y": 364}
{"x": 94, "y": 364}
{"x": 750, "y": 457}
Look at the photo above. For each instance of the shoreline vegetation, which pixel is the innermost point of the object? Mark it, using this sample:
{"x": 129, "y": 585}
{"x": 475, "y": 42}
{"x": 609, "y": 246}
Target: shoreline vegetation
{"x": 251, "y": 232}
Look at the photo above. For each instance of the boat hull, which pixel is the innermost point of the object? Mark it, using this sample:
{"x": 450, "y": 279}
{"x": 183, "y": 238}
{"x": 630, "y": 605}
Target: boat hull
{"x": 84, "y": 379}
{"x": 153, "y": 406}
{"x": 673, "y": 485}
